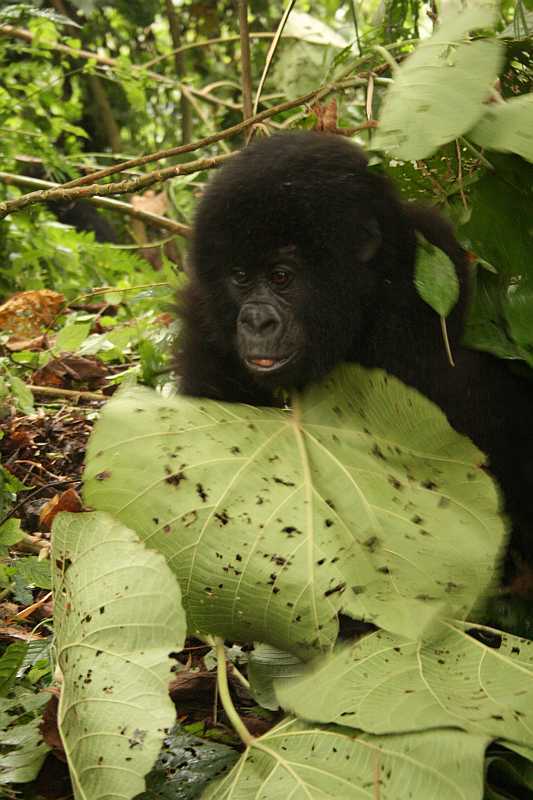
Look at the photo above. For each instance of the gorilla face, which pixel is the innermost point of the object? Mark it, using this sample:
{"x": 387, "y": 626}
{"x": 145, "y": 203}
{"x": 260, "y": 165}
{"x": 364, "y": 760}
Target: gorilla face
{"x": 270, "y": 332}
{"x": 282, "y": 327}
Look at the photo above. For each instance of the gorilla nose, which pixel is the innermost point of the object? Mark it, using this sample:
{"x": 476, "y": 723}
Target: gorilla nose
{"x": 260, "y": 319}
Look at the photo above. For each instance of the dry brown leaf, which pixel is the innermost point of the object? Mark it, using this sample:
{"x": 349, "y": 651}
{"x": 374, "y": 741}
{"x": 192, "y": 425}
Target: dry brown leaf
{"x": 48, "y": 727}
{"x": 69, "y": 367}
{"x": 26, "y": 312}
{"x": 68, "y": 500}
{"x": 326, "y": 116}
{"x": 17, "y": 343}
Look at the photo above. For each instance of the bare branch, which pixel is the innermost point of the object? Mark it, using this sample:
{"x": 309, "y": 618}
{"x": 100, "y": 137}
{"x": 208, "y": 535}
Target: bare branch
{"x": 316, "y": 94}
{"x": 87, "y": 55}
{"x": 207, "y": 43}
{"x": 61, "y": 193}
{"x": 103, "y": 202}
{"x": 271, "y": 51}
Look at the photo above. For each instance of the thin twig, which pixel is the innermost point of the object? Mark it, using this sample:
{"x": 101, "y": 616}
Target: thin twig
{"x": 27, "y": 36}
{"x": 460, "y": 173}
{"x": 356, "y": 26}
{"x": 315, "y": 95}
{"x": 103, "y": 202}
{"x": 207, "y": 43}
{"x": 246, "y": 65}
{"x": 271, "y": 51}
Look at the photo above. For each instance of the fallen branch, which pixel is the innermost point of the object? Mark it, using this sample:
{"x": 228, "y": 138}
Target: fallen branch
{"x": 54, "y": 391}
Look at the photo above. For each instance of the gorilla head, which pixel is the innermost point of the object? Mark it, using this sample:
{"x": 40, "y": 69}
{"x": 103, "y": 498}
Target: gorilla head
{"x": 293, "y": 242}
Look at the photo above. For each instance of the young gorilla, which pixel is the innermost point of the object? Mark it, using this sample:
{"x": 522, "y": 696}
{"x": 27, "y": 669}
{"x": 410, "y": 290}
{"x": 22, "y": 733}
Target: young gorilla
{"x": 302, "y": 258}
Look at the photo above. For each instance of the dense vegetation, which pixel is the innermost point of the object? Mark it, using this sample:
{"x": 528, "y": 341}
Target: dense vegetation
{"x": 112, "y": 114}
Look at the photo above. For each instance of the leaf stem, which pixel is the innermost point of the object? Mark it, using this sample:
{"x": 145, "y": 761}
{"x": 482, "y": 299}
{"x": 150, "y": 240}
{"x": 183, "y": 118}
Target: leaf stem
{"x": 225, "y": 697}
{"x": 446, "y": 340}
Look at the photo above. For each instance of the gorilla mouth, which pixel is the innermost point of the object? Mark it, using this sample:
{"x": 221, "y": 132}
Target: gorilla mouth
{"x": 267, "y": 363}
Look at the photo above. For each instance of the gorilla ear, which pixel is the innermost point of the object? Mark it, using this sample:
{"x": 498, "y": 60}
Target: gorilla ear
{"x": 370, "y": 240}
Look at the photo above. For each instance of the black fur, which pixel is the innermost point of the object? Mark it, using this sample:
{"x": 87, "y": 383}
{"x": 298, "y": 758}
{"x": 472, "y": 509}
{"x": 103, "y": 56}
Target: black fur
{"x": 314, "y": 193}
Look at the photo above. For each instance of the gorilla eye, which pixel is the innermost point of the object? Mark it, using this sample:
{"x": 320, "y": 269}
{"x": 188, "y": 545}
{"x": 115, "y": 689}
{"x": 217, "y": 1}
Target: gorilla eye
{"x": 280, "y": 277}
{"x": 239, "y": 277}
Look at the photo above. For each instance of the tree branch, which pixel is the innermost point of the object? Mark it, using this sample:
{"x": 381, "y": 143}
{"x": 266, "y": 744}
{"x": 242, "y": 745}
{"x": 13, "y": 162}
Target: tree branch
{"x": 315, "y": 95}
{"x": 27, "y": 36}
{"x": 103, "y": 202}
{"x": 61, "y": 193}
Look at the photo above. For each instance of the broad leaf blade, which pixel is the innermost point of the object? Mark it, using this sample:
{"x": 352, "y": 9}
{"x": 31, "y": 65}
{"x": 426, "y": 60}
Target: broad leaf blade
{"x": 439, "y": 91}
{"x": 118, "y": 616}
{"x": 361, "y": 498}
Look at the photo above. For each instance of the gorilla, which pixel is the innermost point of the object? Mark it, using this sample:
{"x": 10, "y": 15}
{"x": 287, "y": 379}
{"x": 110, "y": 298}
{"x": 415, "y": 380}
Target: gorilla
{"x": 301, "y": 258}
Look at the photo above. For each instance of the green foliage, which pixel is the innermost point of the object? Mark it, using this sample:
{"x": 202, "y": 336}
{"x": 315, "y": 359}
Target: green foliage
{"x": 266, "y": 664}
{"x": 45, "y": 254}
{"x": 184, "y": 767}
{"x": 508, "y": 127}
{"x": 17, "y": 13}
{"x": 10, "y": 662}
{"x": 410, "y": 536}
{"x": 499, "y": 231}
{"x": 468, "y": 677}
{"x": 21, "y": 743}
{"x": 34, "y": 572}
{"x": 26, "y": 753}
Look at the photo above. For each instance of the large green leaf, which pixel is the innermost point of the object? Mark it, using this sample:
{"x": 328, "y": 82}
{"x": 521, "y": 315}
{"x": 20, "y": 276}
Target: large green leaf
{"x": 440, "y": 90}
{"x": 361, "y": 498}
{"x": 117, "y": 618}
{"x": 507, "y": 127}
{"x": 301, "y": 762}
{"x": 384, "y": 684}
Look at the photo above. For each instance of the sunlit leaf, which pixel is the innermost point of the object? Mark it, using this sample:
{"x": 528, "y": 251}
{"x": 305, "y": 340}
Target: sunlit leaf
{"x": 440, "y": 90}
